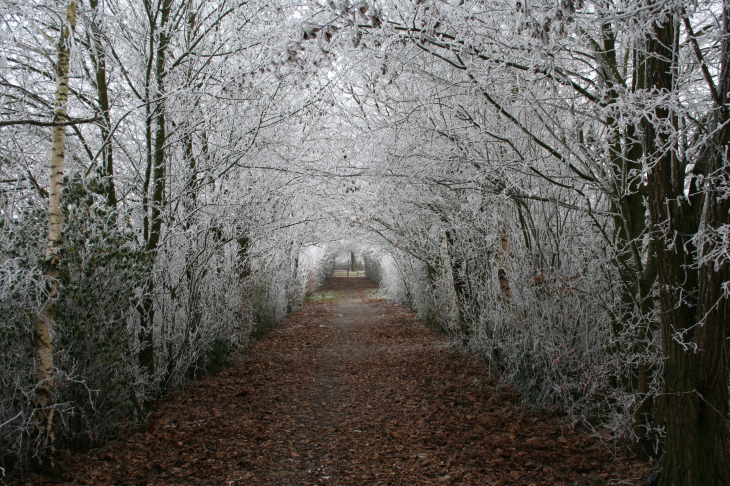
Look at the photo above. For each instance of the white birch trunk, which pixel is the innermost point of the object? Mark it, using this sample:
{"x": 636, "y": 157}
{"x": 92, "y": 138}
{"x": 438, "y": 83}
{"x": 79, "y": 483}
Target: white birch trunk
{"x": 43, "y": 339}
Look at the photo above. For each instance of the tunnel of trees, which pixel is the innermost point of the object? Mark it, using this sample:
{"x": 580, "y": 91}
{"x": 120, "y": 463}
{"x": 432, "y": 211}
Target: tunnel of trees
{"x": 547, "y": 182}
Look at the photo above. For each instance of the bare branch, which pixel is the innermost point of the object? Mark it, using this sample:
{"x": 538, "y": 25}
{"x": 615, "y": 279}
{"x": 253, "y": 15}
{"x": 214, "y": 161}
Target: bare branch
{"x": 37, "y": 123}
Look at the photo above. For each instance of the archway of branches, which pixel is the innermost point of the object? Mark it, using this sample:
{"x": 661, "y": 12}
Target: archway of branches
{"x": 545, "y": 183}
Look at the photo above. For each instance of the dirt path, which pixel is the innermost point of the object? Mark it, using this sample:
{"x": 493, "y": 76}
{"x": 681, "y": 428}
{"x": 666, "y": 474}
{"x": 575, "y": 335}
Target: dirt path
{"x": 351, "y": 390}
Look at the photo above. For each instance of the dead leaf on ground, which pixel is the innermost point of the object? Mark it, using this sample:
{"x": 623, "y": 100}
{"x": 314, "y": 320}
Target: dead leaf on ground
{"x": 352, "y": 394}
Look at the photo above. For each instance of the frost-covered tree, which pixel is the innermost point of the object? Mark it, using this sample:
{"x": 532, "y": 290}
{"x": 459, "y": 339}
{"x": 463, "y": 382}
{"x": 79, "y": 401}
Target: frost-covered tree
{"x": 567, "y": 112}
{"x": 545, "y": 181}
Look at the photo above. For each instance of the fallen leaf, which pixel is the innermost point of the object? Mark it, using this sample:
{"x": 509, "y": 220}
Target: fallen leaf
{"x": 535, "y": 442}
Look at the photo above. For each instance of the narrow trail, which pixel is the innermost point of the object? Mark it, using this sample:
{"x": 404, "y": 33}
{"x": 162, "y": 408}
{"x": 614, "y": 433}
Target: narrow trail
{"x": 352, "y": 390}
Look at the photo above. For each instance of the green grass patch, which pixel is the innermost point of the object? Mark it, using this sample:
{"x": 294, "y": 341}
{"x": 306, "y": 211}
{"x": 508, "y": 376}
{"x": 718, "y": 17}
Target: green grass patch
{"x": 378, "y": 295}
{"x": 326, "y": 295}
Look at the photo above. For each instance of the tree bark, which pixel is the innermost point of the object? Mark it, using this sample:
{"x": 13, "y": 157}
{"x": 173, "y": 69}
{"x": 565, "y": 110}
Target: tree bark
{"x": 43, "y": 339}
{"x": 630, "y": 226}
{"x": 98, "y": 59}
{"x": 694, "y": 317}
{"x": 454, "y": 266}
{"x": 155, "y": 169}
{"x": 501, "y": 272}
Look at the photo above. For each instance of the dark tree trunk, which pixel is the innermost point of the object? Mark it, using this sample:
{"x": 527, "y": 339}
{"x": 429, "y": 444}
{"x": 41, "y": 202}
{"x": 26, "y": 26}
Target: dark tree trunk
{"x": 457, "y": 267}
{"x": 694, "y": 313}
{"x": 635, "y": 267}
{"x": 244, "y": 262}
{"x": 153, "y": 226}
{"x": 98, "y": 58}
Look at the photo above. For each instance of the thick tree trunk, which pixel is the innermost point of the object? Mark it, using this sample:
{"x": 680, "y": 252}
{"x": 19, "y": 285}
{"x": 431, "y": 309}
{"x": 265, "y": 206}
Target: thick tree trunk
{"x": 43, "y": 339}
{"x": 694, "y": 310}
{"x": 630, "y": 226}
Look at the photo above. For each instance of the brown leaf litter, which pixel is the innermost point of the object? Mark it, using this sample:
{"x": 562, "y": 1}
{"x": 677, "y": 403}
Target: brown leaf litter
{"x": 352, "y": 390}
